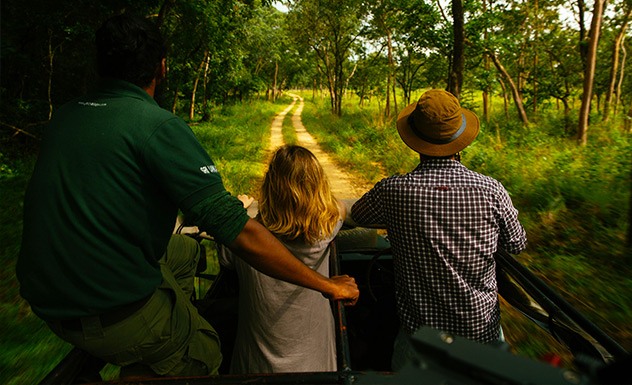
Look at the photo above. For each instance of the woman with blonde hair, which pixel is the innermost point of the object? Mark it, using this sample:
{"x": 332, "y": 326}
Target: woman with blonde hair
{"x": 283, "y": 327}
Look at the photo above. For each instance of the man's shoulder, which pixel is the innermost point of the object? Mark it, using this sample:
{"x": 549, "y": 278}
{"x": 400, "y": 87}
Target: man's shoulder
{"x": 144, "y": 110}
{"x": 482, "y": 182}
{"x": 472, "y": 175}
{"x": 128, "y": 96}
{"x": 453, "y": 173}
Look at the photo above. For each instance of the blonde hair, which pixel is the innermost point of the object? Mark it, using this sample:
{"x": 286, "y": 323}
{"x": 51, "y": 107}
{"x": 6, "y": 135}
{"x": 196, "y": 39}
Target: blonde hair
{"x": 296, "y": 200}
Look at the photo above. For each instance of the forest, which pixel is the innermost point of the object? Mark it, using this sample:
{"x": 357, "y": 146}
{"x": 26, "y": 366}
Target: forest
{"x": 533, "y": 54}
{"x": 548, "y": 78}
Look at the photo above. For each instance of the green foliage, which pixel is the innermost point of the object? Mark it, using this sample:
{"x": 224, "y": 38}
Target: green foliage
{"x": 237, "y": 140}
{"x": 549, "y": 176}
{"x": 367, "y": 81}
{"x": 5, "y": 170}
{"x": 330, "y": 29}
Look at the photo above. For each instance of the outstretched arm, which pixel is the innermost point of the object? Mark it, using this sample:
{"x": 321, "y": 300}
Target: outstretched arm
{"x": 260, "y": 249}
{"x": 223, "y": 217}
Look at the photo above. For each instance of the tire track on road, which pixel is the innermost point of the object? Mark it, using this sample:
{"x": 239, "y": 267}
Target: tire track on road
{"x": 276, "y": 129}
{"x": 343, "y": 184}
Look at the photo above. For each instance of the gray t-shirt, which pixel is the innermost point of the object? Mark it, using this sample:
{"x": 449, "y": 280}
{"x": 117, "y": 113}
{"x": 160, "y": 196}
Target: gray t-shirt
{"x": 283, "y": 327}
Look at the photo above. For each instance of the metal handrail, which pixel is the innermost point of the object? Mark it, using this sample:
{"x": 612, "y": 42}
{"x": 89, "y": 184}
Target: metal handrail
{"x": 554, "y": 304}
{"x": 343, "y": 355}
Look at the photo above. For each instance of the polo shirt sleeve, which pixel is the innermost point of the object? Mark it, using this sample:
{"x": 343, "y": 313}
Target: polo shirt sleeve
{"x": 181, "y": 166}
{"x": 186, "y": 173}
{"x": 221, "y": 215}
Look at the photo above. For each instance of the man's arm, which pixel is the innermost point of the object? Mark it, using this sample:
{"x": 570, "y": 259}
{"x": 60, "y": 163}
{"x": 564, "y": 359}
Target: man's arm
{"x": 367, "y": 211}
{"x": 263, "y": 251}
{"x": 513, "y": 237}
{"x": 224, "y": 218}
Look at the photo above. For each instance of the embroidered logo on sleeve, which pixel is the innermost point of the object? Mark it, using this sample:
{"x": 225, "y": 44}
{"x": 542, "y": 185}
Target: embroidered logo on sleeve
{"x": 92, "y": 104}
{"x": 208, "y": 169}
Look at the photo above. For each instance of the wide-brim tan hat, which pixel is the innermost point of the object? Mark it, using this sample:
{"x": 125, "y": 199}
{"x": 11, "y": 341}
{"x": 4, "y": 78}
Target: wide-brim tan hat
{"x": 437, "y": 125}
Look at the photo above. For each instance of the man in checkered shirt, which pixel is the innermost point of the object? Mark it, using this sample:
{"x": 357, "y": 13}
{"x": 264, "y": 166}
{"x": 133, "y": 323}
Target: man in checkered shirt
{"x": 444, "y": 222}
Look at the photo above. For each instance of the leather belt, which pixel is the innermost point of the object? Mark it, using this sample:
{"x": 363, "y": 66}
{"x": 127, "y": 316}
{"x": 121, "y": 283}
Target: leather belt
{"x": 110, "y": 318}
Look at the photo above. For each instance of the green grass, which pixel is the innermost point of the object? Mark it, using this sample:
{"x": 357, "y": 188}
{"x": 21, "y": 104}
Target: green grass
{"x": 573, "y": 201}
{"x": 287, "y": 130}
{"x": 237, "y": 140}
{"x": 29, "y": 348}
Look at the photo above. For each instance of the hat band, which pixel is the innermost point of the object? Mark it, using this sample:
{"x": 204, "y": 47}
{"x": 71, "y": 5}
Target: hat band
{"x": 411, "y": 122}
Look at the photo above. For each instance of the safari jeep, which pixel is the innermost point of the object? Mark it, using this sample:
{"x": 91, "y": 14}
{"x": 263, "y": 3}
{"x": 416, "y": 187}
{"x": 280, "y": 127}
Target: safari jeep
{"x": 366, "y": 331}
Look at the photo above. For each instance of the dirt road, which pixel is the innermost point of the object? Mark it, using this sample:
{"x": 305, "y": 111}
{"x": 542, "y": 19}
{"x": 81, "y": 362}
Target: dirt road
{"x": 343, "y": 184}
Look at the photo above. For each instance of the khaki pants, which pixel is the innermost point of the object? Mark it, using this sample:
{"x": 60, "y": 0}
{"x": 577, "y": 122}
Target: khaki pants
{"x": 167, "y": 334}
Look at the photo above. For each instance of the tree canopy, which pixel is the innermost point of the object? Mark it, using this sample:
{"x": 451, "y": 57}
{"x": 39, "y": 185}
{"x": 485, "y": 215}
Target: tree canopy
{"x": 533, "y": 52}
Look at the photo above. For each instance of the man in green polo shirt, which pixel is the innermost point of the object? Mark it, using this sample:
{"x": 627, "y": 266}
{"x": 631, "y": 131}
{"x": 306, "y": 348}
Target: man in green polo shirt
{"x": 98, "y": 260}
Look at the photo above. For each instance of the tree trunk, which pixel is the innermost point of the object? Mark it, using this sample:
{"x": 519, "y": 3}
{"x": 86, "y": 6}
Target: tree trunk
{"x": 387, "y": 107}
{"x": 51, "y": 56}
{"x": 455, "y": 81}
{"x": 505, "y": 101}
{"x": 522, "y": 78}
{"x": 615, "y": 65}
{"x": 355, "y": 67}
{"x": 619, "y": 85}
{"x": 175, "y": 99}
{"x": 275, "y": 79}
{"x": 164, "y": 10}
{"x": 583, "y": 47}
{"x": 567, "y": 108}
{"x": 535, "y": 58}
{"x": 206, "y": 116}
{"x": 486, "y": 89}
{"x": 567, "y": 118}
{"x": 486, "y": 66}
{"x": 198, "y": 74}
{"x": 387, "y": 101}
{"x": 338, "y": 86}
{"x": 589, "y": 73}
{"x": 395, "y": 96}
{"x": 628, "y": 122}
{"x": 332, "y": 79}
{"x": 535, "y": 83}
{"x": 514, "y": 90}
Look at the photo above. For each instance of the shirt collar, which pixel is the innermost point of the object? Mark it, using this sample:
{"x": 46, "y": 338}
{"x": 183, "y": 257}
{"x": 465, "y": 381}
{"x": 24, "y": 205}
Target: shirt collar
{"x": 124, "y": 88}
{"x": 439, "y": 163}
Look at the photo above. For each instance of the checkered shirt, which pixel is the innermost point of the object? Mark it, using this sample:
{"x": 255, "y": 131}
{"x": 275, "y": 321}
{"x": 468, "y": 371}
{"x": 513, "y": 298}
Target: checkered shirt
{"x": 445, "y": 223}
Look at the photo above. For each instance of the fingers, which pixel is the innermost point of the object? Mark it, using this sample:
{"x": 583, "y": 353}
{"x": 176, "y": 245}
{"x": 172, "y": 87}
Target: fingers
{"x": 245, "y": 200}
{"x": 347, "y": 290}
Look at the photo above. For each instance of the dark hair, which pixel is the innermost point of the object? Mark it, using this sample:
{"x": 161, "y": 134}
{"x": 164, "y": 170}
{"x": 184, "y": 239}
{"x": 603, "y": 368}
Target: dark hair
{"x": 129, "y": 48}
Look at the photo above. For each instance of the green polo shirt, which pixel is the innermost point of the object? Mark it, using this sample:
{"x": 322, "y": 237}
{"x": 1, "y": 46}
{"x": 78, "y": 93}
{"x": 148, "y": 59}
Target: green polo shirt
{"x": 112, "y": 172}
